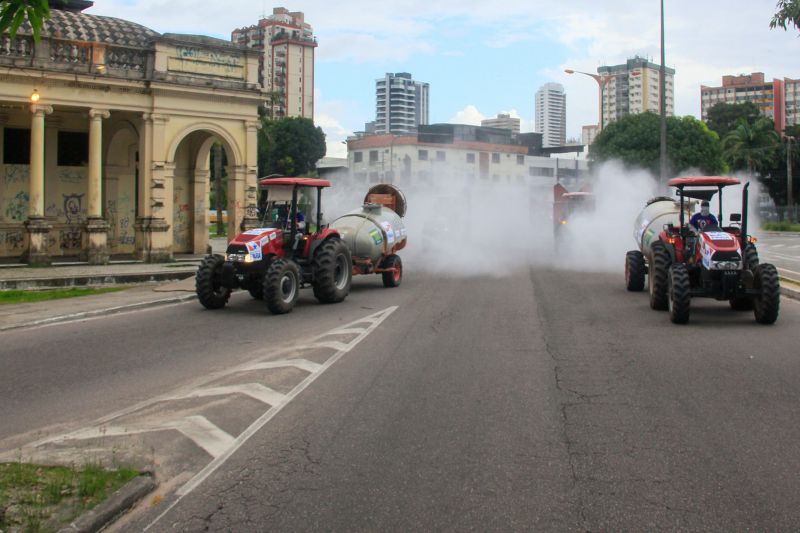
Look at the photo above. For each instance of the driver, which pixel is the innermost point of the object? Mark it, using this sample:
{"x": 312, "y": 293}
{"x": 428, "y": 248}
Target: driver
{"x": 704, "y": 218}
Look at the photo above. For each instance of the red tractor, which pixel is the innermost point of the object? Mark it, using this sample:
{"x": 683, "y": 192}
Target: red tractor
{"x": 567, "y": 204}
{"x": 287, "y": 252}
{"x": 719, "y": 262}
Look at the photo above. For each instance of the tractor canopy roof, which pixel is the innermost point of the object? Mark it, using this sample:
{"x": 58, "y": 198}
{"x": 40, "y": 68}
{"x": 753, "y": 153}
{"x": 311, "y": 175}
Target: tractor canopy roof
{"x": 302, "y": 182}
{"x": 580, "y": 194}
{"x": 703, "y": 181}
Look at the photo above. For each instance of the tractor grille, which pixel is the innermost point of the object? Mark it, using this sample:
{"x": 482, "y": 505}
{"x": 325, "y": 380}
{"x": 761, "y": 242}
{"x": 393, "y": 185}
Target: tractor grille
{"x": 236, "y": 249}
{"x": 726, "y": 256}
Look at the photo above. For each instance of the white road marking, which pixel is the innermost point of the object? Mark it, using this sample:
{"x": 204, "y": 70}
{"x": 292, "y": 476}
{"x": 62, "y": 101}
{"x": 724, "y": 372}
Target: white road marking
{"x": 302, "y": 364}
{"x": 375, "y": 320}
{"x": 255, "y": 390}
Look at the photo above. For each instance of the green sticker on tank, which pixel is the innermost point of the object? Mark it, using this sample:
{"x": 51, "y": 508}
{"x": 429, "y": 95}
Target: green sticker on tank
{"x": 376, "y": 236}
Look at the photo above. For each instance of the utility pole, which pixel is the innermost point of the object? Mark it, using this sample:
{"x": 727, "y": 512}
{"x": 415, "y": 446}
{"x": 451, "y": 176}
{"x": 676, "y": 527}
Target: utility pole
{"x": 663, "y": 106}
{"x": 789, "y": 193}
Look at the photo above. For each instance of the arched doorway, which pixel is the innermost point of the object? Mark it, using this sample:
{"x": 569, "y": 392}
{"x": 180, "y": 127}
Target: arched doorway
{"x": 191, "y": 188}
{"x": 120, "y": 188}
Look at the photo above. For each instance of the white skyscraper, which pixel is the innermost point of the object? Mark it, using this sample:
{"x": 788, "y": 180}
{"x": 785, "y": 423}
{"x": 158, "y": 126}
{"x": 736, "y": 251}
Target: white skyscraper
{"x": 551, "y": 114}
{"x": 402, "y": 103}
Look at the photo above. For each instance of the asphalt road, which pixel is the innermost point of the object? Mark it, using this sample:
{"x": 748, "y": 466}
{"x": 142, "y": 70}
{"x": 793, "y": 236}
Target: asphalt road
{"x": 783, "y": 251}
{"x": 543, "y": 400}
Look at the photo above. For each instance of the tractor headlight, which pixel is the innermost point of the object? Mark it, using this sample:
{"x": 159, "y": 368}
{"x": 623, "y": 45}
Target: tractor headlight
{"x": 248, "y": 258}
{"x": 725, "y": 265}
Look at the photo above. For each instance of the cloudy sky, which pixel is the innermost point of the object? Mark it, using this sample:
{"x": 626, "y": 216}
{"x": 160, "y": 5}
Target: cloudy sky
{"x": 483, "y": 58}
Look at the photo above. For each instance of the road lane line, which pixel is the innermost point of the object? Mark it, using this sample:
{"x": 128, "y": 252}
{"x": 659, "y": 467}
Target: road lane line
{"x": 302, "y": 364}
{"x": 375, "y": 321}
{"x": 257, "y": 391}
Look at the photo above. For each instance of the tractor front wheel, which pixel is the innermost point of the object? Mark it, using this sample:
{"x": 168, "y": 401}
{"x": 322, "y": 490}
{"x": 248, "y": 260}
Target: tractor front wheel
{"x": 281, "y": 286}
{"x": 393, "y": 277}
{"x": 750, "y": 257}
{"x": 208, "y": 283}
{"x": 679, "y": 294}
{"x": 766, "y": 305}
{"x": 657, "y": 276}
{"x": 333, "y": 271}
{"x": 634, "y": 271}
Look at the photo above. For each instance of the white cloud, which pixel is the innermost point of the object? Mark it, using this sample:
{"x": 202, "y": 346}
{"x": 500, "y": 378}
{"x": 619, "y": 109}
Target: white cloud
{"x": 468, "y": 115}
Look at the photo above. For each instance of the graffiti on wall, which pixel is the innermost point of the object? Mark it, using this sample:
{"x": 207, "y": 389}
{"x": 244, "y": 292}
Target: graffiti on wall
{"x": 71, "y": 176}
{"x": 17, "y": 207}
{"x": 73, "y": 208}
{"x": 16, "y": 175}
{"x": 70, "y": 238}
{"x": 12, "y": 239}
{"x": 181, "y": 216}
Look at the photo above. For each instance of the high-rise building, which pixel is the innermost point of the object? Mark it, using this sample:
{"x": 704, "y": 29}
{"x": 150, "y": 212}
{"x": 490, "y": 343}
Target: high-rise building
{"x": 776, "y": 99}
{"x": 503, "y": 121}
{"x": 402, "y": 103}
{"x": 633, "y": 88}
{"x": 286, "y": 66}
{"x": 551, "y": 114}
{"x": 588, "y": 133}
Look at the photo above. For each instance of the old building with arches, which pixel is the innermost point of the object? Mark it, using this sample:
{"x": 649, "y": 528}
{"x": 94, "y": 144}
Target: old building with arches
{"x": 105, "y": 133}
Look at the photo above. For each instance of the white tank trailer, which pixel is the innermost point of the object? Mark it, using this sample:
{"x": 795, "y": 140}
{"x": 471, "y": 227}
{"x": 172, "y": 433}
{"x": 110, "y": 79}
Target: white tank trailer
{"x": 375, "y": 232}
{"x": 658, "y": 211}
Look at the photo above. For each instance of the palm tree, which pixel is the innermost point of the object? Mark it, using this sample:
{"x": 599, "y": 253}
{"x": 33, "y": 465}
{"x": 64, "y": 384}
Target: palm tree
{"x": 751, "y": 146}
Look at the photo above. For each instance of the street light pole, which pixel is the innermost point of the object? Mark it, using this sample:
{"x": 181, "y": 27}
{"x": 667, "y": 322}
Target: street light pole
{"x": 789, "y": 193}
{"x": 602, "y": 81}
{"x": 663, "y": 105}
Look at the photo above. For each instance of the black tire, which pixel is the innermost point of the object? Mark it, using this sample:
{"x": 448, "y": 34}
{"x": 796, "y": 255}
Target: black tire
{"x": 741, "y": 303}
{"x": 679, "y": 294}
{"x": 392, "y": 279}
{"x": 256, "y": 290}
{"x": 657, "y": 276}
{"x": 767, "y": 304}
{"x": 333, "y": 271}
{"x": 750, "y": 257}
{"x": 281, "y": 286}
{"x": 208, "y": 283}
{"x": 634, "y": 271}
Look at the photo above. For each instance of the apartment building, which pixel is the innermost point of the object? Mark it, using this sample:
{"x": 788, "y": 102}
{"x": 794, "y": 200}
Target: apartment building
{"x": 551, "y": 114}
{"x": 634, "y": 87}
{"x": 402, "y": 104}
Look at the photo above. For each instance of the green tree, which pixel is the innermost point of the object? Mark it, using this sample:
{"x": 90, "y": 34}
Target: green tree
{"x": 723, "y": 117}
{"x": 289, "y": 146}
{"x": 14, "y": 12}
{"x": 751, "y": 146}
{"x": 635, "y": 140}
{"x": 788, "y": 15}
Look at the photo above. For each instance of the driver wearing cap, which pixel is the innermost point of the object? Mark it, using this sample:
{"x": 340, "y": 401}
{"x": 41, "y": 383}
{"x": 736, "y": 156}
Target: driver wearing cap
{"x": 703, "y": 218}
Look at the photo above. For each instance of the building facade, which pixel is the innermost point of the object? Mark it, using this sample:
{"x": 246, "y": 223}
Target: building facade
{"x": 286, "y": 44}
{"x": 588, "y": 134}
{"x": 402, "y": 104}
{"x": 633, "y": 88}
{"x": 503, "y": 121}
{"x": 455, "y": 153}
{"x": 776, "y": 99}
{"x": 551, "y": 114}
{"x": 105, "y": 131}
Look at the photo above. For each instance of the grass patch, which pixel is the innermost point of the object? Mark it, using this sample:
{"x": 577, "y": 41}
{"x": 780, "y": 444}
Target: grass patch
{"x": 36, "y": 498}
{"x": 781, "y": 226}
{"x": 21, "y": 297}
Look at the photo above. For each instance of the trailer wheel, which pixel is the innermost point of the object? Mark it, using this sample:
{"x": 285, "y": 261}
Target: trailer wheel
{"x": 281, "y": 285}
{"x": 657, "y": 276}
{"x": 208, "y": 283}
{"x": 634, "y": 271}
{"x": 679, "y": 294}
{"x": 767, "y": 304}
{"x": 333, "y": 271}
{"x": 393, "y": 278}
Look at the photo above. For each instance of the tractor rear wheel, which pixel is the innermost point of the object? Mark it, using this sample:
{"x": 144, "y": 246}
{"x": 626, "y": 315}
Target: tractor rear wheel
{"x": 281, "y": 286}
{"x": 634, "y": 271}
{"x": 394, "y": 277}
{"x": 333, "y": 271}
{"x": 750, "y": 257}
{"x": 208, "y": 283}
{"x": 767, "y": 304}
{"x": 657, "y": 276}
{"x": 679, "y": 294}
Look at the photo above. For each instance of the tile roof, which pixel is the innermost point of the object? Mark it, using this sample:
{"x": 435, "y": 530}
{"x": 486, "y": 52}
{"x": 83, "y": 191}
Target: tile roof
{"x": 93, "y": 28}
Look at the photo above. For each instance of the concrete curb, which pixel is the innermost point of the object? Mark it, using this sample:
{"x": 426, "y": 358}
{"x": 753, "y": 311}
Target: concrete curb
{"x": 106, "y": 512}
{"x": 94, "y": 280}
{"x": 99, "y": 312}
{"x": 792, "y": 292}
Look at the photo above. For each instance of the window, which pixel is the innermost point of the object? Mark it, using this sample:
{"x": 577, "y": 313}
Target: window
{"x": 358, "y": 157}
{"x": 73, "y": 148}
{"x": 16, "y": 146}
{"x": 520, "y": 159}
{"x": 495, "y": 158}
{"x": 423, "y": 155}
{"x": 470, "y": 158}
{"x": 440, "y": 155}
{"x": 373, "y": 157}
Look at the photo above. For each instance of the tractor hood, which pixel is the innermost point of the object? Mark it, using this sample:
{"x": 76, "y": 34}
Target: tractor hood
{"x": 720, "y": 241}
{"x": 264, "y": 235}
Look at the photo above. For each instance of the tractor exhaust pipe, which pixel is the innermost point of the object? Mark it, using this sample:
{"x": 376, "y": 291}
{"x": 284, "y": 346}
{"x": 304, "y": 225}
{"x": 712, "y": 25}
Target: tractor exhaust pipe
{"x": 743, "y": 236}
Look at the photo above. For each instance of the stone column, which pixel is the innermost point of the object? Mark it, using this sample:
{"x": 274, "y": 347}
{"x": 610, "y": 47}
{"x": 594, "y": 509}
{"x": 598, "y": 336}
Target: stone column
{"x": 153, "y": 240}
{"x": 251, "y": 175}
{"x": 38, "y": 229}
{"x": 95, "y": 236}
